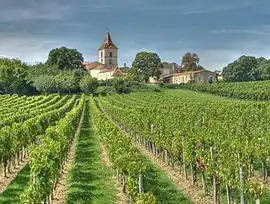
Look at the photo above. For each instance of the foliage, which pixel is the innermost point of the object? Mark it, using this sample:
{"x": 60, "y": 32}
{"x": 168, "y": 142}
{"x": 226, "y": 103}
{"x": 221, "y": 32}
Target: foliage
{"x": 65, "y": 58}
{"x": 47, "y": 156}
{"x": 190, "y": 62}
{"x": 66, "y": 82}
{"x": 255, "y": 90}
{"x": 145, "y": 198}
{"x": 120, "y": 86}
{"x": 145, "y": 65}
{"x": 41, "y": 69}
{"x": 247, "y": 68}
{"x": 88, "y": 164}
{"x": 13, "y": 74}
{"x": 48, "y": 79}
{"x": 88, "y": 84}
{"x": 45, "y": 84}
{"x": 28, "y": 123}
{"x": 237, "y": 131}
{"x": 122, "y": 153}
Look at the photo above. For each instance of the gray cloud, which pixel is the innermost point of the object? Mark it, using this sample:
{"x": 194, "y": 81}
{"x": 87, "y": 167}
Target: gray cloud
{"x": 33, "y": 10}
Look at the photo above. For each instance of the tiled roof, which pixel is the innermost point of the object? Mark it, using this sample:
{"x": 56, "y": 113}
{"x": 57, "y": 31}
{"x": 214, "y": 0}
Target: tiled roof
{"x": 108, "y": 70}
{"x": 185, "y": 73}
{"x": 107, "y": 43}
{"x": 94, "y": 66}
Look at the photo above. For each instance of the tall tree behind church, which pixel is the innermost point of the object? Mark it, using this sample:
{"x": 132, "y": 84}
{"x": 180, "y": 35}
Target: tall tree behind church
{"x": 190, "y": 62}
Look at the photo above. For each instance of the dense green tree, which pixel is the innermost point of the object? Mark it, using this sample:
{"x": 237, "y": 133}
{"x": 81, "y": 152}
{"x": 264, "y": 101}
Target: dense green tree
{"x": 13, "y": 77}
{"x": 39, "y": 69}
{"x": 65, "y": 58}
{"x": 45, "y": 84}
{"x": 145, "y": 65}
{"x": 66, "y": 82}
{"x": 88, "y": 84}
{"x": 264, "y": 70}
{"x": 190, "y": 62}
{"x": 247, "y": 68}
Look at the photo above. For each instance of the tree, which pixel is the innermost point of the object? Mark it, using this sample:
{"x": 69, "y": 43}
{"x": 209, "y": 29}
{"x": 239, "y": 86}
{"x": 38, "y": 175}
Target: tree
{"x": 39, "y": 69}
{"x": 66, "y": 82}
{"x": 13, "y": 77}
{"x": 65, "y": 58}
{"x": 264, "y": 70}
{"x": 45, "y": 84}
{"x": 190, "y": 62}
{"x": 245, "y": 68}
{"x": 145, "y": 65}
{"x": 88, "y": 84}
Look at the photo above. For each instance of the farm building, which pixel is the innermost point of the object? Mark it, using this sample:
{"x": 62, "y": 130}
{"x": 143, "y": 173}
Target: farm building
{"x": 199, "y": 76}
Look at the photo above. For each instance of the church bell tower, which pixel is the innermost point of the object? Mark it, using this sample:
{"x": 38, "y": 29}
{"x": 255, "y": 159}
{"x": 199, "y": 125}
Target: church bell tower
{"x": 108, "y": 52}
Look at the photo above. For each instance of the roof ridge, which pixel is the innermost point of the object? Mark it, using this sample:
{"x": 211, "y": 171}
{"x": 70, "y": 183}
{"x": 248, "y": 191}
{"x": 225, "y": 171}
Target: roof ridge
{"x": 107, "y": 42}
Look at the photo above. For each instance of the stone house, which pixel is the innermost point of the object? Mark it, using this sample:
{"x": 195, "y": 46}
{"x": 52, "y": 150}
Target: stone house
{"x": 199, "y": 76}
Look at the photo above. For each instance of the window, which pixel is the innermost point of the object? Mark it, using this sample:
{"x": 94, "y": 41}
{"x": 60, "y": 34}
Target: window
{"x": 110, "y": 54}
{"x": 101, "y": 54}
{"x": 110, "y": 61}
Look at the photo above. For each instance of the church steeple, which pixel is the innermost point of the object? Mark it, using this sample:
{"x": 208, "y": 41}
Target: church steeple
{"x": 107, "y": 43}
{"x": 108, "y": 52}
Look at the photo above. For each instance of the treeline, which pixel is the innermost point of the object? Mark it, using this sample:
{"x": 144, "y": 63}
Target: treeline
{"x": 247, "y": 68}
{"x": 63, "y": 72}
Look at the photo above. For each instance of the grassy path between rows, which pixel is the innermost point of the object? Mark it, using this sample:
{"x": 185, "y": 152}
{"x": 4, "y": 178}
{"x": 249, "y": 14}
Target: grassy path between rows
{"x": 164, "y": 189}
{"x": 12, "y": 194}
{"x": 89, "y": 181}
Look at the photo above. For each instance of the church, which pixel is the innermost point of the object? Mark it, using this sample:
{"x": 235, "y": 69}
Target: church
{"x": 107, "y": 65}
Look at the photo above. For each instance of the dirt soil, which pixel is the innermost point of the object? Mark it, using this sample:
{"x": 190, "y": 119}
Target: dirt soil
{"x": 5, "y": 181}
{"x": 120, "y": 196}
{"x": 194, "y": 193}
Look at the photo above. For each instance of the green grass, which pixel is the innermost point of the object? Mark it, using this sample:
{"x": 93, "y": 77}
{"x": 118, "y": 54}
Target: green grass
{"x": 89, "y": 180}
{"x": 164, "y": 189}
{"x": 12, "y": 194}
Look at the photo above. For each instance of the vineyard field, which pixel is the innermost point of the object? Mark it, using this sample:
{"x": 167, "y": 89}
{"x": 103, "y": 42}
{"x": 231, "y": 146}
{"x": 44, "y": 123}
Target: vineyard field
{"x": 257, "y": 91}
{"x": 175, "y": 146}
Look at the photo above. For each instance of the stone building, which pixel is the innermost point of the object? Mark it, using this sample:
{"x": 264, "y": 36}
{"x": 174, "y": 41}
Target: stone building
{"x": 107, "y": 65}
{"x": 199, "y": 76}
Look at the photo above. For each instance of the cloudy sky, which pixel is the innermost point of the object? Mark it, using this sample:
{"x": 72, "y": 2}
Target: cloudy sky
{"x": 218, "y": 31}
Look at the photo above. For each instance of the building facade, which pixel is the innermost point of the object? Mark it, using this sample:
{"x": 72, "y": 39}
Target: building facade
{"x": 167, "y": 69}
{"x": 200, "y": 76}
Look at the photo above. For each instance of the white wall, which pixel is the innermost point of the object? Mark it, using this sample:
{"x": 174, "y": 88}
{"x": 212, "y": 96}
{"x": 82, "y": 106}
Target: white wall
{"x": 104, "y": 57}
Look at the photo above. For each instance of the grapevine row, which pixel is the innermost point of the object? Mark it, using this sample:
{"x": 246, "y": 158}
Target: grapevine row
{"x": 216, "y": 139}
{"x": 125, "y": 157}
{"x": 27, "y": 114}
{"x": 48, "y": 155}
{"x": 37, "y": 103}
{"x": 259, "y": 91}
{"x": 15, "y": 139}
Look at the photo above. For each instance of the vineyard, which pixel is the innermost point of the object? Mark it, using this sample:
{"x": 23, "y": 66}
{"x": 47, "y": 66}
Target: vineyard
{"x": 257, "y": 91}
{"x": 176, "y": 146}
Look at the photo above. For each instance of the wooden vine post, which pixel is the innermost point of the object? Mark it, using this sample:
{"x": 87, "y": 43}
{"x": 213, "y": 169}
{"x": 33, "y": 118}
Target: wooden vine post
{"x": 140, "y": 183}
{"x": 215, "y": 181}
{"x": 184, "y": 162}
{"x": 242, "y": 183}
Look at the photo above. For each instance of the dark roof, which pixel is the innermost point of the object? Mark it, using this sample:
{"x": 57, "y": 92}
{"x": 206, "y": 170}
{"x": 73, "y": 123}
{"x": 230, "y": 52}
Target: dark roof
{"x": 107, "y": 43}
